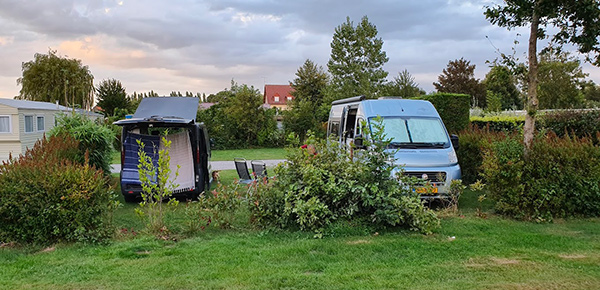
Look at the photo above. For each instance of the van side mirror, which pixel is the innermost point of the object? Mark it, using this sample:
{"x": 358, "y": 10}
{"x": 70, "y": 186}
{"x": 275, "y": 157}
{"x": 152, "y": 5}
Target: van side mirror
{"x": 359, "y": 142}
{"x": 212, "y": 143}
{"x": 454, "y": 140}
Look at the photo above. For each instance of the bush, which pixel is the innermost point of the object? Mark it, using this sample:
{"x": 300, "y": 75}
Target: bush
{"x": 453, "y": 109}
{"x": 473, "y": 142}
{"x": 560, "y": 178}
{"x": 321, "y": 183}
{"x": 94, "y": 138}
{"x": 46, "y": 197}
{"x": 580, "y": 123}
{"x": 499, "y": 123}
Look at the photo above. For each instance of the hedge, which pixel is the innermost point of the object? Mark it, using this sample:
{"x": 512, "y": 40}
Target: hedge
{"x": 453, "y": 109}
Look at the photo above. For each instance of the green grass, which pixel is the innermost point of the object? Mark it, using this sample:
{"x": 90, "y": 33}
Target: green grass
{"x": 495, "y": 252}
{"x": 249, "y": 154}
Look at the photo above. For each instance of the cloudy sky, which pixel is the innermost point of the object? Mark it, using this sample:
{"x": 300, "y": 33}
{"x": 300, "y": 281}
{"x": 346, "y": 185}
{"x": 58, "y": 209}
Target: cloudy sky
{"x": 199, "y": 46}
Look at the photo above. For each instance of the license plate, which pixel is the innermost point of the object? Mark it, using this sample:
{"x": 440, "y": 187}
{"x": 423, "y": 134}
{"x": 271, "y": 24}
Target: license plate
{"x": 426, "y": 190}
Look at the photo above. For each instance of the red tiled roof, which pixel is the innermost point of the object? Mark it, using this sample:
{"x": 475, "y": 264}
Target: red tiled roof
{"x": 281, "y": 91}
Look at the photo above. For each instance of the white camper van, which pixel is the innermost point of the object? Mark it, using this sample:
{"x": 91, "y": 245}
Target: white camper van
{"x": 419, "y": 138}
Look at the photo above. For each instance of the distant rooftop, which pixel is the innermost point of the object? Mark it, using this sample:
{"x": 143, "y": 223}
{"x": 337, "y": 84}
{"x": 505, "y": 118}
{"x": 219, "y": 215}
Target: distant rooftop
{"x": 34, "y": 105}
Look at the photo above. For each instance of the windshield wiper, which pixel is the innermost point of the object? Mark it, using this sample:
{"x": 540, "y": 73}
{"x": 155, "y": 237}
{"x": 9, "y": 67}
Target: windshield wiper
{"x": 416, "y": 145}
{"x": 406, "y": 145}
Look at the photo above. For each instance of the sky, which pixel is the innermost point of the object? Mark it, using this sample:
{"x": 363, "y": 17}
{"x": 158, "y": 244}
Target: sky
{"x": 200, "y": 46}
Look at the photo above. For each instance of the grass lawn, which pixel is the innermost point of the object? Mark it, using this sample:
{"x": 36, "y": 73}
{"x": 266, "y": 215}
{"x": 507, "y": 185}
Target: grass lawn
{"x": 468, "y": 252}
{"x": 228, "y": 155}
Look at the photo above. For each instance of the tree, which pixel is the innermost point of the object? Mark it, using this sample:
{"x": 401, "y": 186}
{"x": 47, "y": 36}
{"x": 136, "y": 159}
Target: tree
{"x": 500, "y": 82}
{"x": 577, "y": 24}
{"x": 111, "y": 95}
{"x": 309, "y": 90}
{"x": 403, "y": 85}
{"x": 52, "y": 78}
{"x": 356, "y": 61}
{"x": 591, "y": 92}
{"x": 459, "y": 78}
{"x": 559, "y": 79}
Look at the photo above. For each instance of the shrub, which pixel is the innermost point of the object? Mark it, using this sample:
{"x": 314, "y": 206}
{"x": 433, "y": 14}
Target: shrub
{"x": 94, "y": 138}
{"x": 453, "y": 109}
{"x": 580, "y": 123}
{"x": 560, "y": 178}
{"x": 45, "y": 197}
{"x": 321, "y": 182}
{"x": 473, "y": 143}
{"x": 499, "y": 123}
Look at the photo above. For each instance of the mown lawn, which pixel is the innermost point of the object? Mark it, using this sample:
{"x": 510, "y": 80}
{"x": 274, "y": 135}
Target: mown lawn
{"x": 228, "y": 155}
{"x": 468, "y": 252}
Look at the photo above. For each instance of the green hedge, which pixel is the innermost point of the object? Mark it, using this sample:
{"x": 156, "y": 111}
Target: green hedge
{"x": 499, "y": 123}
{"x": 453, "y": 109}
{"x": 580, "y": 123}
{"x": 561, "y": 177}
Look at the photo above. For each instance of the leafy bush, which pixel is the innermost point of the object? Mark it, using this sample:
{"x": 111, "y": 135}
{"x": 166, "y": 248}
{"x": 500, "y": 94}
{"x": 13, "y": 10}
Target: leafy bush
{"x": 580, "y": 123}
{"x": 560, "y": 177}
{"x": 46, "y": 197}
{"x": 473, "y": 143}
{"x": 499, "y": 123}
{"x": 321, "y": 183}
{"x": 94, "y": 138}
{"x": 453, "y": 109}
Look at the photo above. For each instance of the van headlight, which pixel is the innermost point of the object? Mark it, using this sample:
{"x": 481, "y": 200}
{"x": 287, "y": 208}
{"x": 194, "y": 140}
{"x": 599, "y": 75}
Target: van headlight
{"x": 452, "y": 157}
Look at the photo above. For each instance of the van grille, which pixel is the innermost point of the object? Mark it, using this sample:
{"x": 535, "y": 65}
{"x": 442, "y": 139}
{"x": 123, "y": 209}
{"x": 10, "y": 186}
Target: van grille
{"x": 436, "y": 177}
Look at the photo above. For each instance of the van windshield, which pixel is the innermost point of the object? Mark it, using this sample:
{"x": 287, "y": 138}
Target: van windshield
{"x": 415, "y": 132}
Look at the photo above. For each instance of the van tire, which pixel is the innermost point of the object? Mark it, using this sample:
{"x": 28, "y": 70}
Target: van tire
{"x": 130, "y": 198}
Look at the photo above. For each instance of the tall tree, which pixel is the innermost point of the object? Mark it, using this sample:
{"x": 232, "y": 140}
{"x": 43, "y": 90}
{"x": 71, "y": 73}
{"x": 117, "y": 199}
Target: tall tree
{"x": 577, "y": 22}
{"x": 459, "y": 78}
{"x": 500, "y": 82}
{"x": 560, "y": 77}
{"x": 111, "y": 95}
{"x": 52, "y": 78}
{"x": 309, "y": 90}
{"x": 357, "y": 59}
{"x": 403, "y": 85}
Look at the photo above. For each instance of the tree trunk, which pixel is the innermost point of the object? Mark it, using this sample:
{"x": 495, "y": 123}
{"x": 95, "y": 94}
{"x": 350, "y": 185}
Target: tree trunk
{"x": 532, "y": 100}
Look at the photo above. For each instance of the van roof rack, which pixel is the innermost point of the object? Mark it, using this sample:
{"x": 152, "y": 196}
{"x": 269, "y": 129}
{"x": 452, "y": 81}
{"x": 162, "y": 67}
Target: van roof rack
{"x": 348, "y": 100}
{"x": 389, "y": 98}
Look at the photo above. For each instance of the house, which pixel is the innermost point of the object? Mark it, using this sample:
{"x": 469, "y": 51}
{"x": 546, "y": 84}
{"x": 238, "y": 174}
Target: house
{"x": 22, "y": 123}
{"x": 278, "y": 96}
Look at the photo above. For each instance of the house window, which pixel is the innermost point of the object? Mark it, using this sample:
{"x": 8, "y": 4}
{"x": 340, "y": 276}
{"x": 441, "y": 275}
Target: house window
{"x": 28, "y": 124}
{"x": 289, "y": 98}
{"x": 40, "y": 123}
{"x": 276, "y": 99}
{"x": 4, "y": 124}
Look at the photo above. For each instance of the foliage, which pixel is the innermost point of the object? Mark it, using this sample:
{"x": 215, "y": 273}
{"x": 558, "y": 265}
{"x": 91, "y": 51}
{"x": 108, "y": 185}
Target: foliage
{"x": 591, "y": 92}
{"x": 157, "y": 185}
{"x": 403, "y": 85}
{"x": 580, "y": 123}
{"x": 560, "y": 179}
{"x": 356, "y": 61}
{"x": 93, "y": 137}
{"x": 473, "y": 142}
{"x": 459, "y": 78}
{"x": 309, "y": 90}
{"x": 52, "y": 78}
{"x": 500, "y": 82}
{"x": 321, "y": 182}
{"x": 453, "y": 109}
{"x": 577, "y": 24}
{"x": 499, "y": 123}
{"x": 221, "y": 205}
{"x": 47, "y": 197}
{"x": 559, "y": 77}
{"x": 111, "y": 96}
{"x": 238, "y": 119}
{"x": 494, "y": 102}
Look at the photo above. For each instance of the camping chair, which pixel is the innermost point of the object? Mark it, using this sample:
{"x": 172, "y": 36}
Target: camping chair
{"x": 259, "y": 169}
{"x": 242, "y": 170}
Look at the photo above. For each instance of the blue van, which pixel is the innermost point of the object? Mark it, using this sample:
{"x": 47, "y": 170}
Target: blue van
{"x": 418, "y": 137}
{"x": 173, "y": 118}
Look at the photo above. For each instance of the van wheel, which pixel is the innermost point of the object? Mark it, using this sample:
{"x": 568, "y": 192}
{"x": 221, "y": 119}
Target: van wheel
{"x": 130, "y": 198}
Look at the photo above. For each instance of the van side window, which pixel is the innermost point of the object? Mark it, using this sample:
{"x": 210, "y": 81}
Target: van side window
{"x": 349, "y": 124}
{"x": 357, "y": 130}
{"x": 334, "y": 128}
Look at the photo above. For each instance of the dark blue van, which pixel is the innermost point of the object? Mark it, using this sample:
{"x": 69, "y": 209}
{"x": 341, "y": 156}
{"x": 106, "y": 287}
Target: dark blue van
{"x": 173, "y": 118}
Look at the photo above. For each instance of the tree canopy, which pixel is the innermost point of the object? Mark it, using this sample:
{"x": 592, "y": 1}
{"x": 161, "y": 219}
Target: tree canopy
{"x": 357, "y": 59}
{"x": 459, "y": 78}
{"x": 403, "y": 85}
{"x": 111, "y": 95}
{"x": 53, "y": 78}
{"x": 500, "y": 81}
{"x": 560, "y": 76}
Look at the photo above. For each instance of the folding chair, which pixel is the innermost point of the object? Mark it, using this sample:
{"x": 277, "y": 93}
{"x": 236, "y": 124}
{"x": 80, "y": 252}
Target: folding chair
{"x": 242, "y": 170}
{"x": 259, "y": 169}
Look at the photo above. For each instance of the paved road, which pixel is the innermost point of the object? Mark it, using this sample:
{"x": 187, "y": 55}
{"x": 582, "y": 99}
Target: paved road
{"x": 216, "y": 165}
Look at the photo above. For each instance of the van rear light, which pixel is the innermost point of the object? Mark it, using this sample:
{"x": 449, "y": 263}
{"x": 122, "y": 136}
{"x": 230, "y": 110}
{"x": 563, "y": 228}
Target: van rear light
{"x": 130, "y": 191}
{"x": 198, "y": 155}
{"x": 122, "y": 155}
